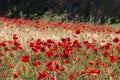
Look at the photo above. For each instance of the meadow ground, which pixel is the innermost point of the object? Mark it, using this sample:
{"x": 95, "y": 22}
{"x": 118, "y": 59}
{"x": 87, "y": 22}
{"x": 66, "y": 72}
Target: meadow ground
{"x": 39, "y": 50}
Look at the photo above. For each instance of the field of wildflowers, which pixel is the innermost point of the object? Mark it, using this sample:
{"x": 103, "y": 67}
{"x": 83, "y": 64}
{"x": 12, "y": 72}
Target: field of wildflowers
{"x": 39, "y": 50}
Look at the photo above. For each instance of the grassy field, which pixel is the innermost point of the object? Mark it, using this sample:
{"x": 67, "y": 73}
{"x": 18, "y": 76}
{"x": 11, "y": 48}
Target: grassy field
{"x": 40, "y": 50}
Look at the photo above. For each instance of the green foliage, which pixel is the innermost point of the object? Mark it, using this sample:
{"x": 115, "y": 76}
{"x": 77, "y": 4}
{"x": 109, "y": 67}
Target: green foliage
{"x": 96, "y": 11}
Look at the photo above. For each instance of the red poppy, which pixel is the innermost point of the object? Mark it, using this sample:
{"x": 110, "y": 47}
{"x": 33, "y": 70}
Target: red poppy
{"x": 105, "y": 65}
{"x": 57, "y": 56}
{"x": 41, "y": 75}
{"x": 49, "y": 63}
{"x": 108, "y": 46}
{"x": 16, "y": 43}
{"x": 106, "y": 52}
{"x": 15, "y": 37}
{"x": 3, "y": 44}
{"x": 117, "y": 32}
{"x": 50, "y": 41}
{"x": 84, "y": 53}
{"x": 36, "y": 63}
{"x": 61, "y": 68}
{"x": 55, "y": 48}
{"x": 94, "y": 70}
{"x": 42, "y": 49}
{"x": 92, "y": 62}
{"x": 91, "y": 71}
{"x": 98, "y": 62}
{"x": 51, "y": 68}
{"x": 112, "y": 75}
{"x": 76, "y": 59}
{"x": 109, "y": 30}
{"x": 10, "y": 41}
{"x": 50, "y": 54}
{"x": 118, "y": 48}
{"x": 66, "y": 61}
{"x": 77, "y": 73}
{"x": 86, "y": 42}
{"x": 6, "y": 48}
{"x": 116, "y": 39}
{"x": 75, "y": 42}
{"x": 35, "y": 49}
{"x": 16, "y": 75}
{"x": 63, "y": 40}
{"x": 32, "y": 44}
{"x": 25, "y": 58}
{"x": 71, "y": 77}
{"x": 77, "y": 31}
{"x": 86, "y": 72}
{"x": 113, "y": 59}
{"x": 11, "y": 66}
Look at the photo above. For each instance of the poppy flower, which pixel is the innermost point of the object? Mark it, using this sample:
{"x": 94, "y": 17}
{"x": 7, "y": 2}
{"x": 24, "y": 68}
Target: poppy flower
{"x": 25, "y": 58}
{"x": 50, "y": 41}
{"x": 57, "y": 66}
{"x": 118, "y": 48}
{"x": 15, "y": 37}
{"x": 94, "y": 70}
{"x": 41, "y": 75}
{"x": 19, "y": 47}
{"x": 55, "y": 48}
{"x": 71, "y": 77}
{"x": 92, "y": 62}
{"x": 113, "y": 59}
{"x": 106, "y": 52}
{"x": 105, "y": 65}
{"x": 109, "y": 30}
{"x": 32, "y": 44}
{"x": 86, "y": 72}
{"x": 6, "y": 48}
{"x": 117, "y": 32}
{"x": 11, "y": 66}
{"x": 61, "y": 68}
{"x": 35, "y": 49}
{"x": 50, "y": 54}
{"x": 116, "y": 39}
{"x": 91, "y": 71}
{"x": 98, "y": 62}
{"x": 49, "y": 63}
{"x": 63, "y": 40}
{"x": 3, "y": 44}
{"x": 36, "y": 63}
{"x": 112, "y": 75}
{"x": 57, "y": 56}
{"x": 77, "y": 73}
{"x": 66, "y": 61}
{"x": 84, "y": 53}
{"x": 50, "y": 68}
{"x": 42, "y": 49}
{"x": 10, "y": 41}
{"x": 16, "y": 43}
{"x": 77, "y": 31}
{"x": 76, "y": 59}
{"x": 108, "y": 46}
{"x": 16, "y": 75}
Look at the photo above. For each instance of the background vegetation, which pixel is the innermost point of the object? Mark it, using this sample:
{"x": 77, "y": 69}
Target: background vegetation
{"x": 96, "y": 11}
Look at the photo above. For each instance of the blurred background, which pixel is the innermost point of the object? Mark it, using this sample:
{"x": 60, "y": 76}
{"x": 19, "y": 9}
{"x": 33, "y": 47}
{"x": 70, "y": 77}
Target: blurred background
{"x": 94, "y": 11}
